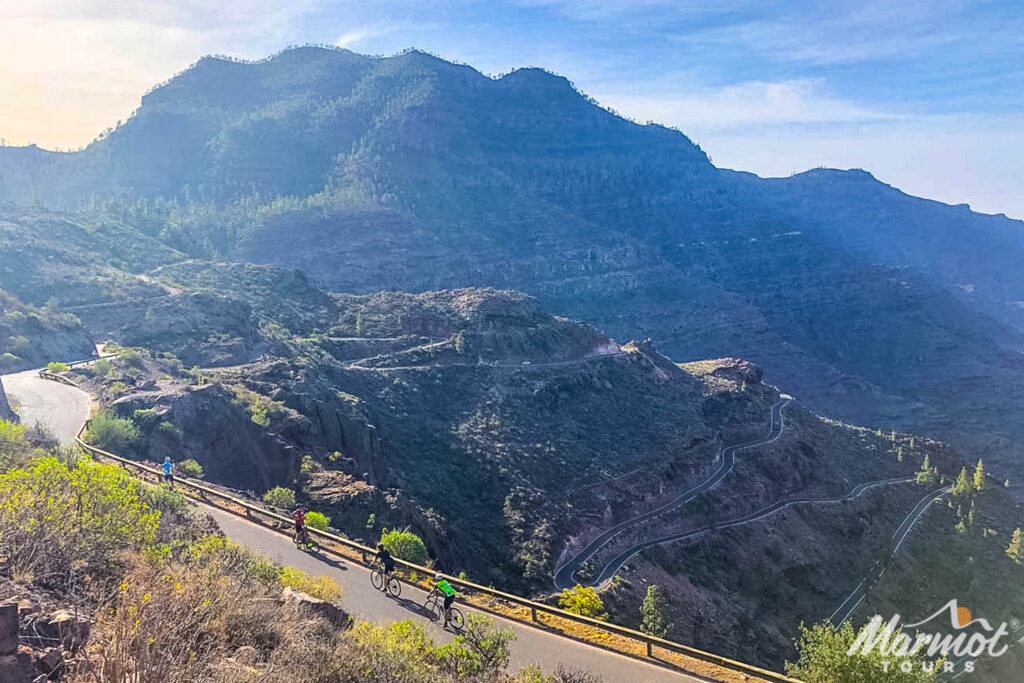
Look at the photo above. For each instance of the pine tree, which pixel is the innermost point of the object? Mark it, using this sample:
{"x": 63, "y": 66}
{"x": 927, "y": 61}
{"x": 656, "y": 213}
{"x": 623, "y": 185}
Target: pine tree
{"x": 899, "y": 454}
{"x": 359, "y": 324}
{"x": 654, "y": 611}
{"x": 927, "y": 475}
{"x": 912, "y": 442}
{"x": 962, "y": 487}
{"x": 1015, "y": 551}
{"x": 460, "y": 342}
{"x": 979, "y": 476}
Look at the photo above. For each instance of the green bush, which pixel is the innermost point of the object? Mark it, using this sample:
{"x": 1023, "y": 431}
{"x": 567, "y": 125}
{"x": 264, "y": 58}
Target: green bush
{"x": 228, "y": 556}
{"x": 57, "y": 368}
{"x": 164, "y": 499}
{"x": 59, "y": 523}
{"x": 102, "y": 368}
{"x": 480, "y": 650}
{"x": 114, "y": 434}
{"x": 823, "y": 658}
{"x": 405, "y": 545}
{"x": 280, "y": 497}
{"x": 14, "y": 444}
{"x": 190, "y": 468}
{"x": 320, "y": 587}
{"x": 582, "y": 600}
{"x": 316, "y": 520}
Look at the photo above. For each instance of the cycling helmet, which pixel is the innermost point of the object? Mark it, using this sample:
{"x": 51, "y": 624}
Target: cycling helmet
{"x": 438, "y": 576}
{"x": 380, "y": 546}
{"x": 167, "y": 458}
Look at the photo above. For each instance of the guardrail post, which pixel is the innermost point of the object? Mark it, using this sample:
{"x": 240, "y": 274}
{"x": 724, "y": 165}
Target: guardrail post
{"x": 650, "y": 652}
{"x": 533, "y": 613}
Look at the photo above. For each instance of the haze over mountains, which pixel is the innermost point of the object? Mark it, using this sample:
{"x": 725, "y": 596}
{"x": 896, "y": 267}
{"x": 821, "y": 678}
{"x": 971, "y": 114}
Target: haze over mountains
{"x": 413, "y": 173}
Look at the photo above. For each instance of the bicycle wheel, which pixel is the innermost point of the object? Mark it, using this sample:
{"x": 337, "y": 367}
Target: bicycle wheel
{"x": 394, "y": 586}
{"x": 433, "y": 608}
{"x": 376, "y": 579}
{"x": 456, "y": 619}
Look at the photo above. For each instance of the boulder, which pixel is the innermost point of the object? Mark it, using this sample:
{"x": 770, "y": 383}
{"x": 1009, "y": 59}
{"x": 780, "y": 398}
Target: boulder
{"x": 64, "y": 628}
{"x": 50, "y": 663}
{"x": 16, "y": 668}
{"x": 307, "y": 603}
{"x": 5, "y": 407}
{"x": 8, "y": 629}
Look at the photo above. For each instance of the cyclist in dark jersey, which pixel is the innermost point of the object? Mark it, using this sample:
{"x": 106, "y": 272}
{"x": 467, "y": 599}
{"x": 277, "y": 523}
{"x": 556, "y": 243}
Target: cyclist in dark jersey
{"x": 387, "y": 563}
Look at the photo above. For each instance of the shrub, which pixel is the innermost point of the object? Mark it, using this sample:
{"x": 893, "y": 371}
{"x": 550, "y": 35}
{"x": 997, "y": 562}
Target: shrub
{"x": 321, "y": 587}
{"x": 405, "y": 545}
{"x": 230, "y": 557}
{"x": 822, "y": 658}
{"x": 145, "y": 417}
{"x": 280, "y": 497}
{"x": 15, "y": 447}
{"x": 102, "y": 368}
{"x": 163, "y": 499}
{"x": 58, "y": 523}
{"x": 191, "y": 468}
{"x": 57, "y": 368}
{"x": 118, "y": 388}
{"x": 480, "y": 650}
{"x": 582, "y": 600}
{"x": 316, "y": 520}
{"x": 113, "y": 434}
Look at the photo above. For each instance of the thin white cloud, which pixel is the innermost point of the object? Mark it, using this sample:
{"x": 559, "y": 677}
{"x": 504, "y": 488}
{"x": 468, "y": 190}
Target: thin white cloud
{"x": 754, "y": 102}
{"x": 359, "y": 35}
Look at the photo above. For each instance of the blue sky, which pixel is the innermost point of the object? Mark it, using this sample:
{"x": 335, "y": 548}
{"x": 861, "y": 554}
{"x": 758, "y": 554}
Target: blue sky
{"x": 927, "y": 95}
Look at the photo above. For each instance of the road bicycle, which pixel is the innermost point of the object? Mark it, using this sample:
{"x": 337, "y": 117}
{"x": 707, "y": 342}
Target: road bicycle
{"x": 435, "y": 609}
{"x": 377, "y": 578}
{"x": 305, "y": 543}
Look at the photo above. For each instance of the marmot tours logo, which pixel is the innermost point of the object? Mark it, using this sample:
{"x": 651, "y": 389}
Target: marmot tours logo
{"x": 960, "y": 639}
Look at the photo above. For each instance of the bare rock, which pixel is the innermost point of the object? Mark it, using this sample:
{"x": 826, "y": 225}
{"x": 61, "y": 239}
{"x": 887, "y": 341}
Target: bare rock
{"x": 8, "y": 629}
{"x": 64, "y": 628}
{"x": 50, "y": 663}
{"x": 328, "y": 610}
{"x": 16, "y": 668}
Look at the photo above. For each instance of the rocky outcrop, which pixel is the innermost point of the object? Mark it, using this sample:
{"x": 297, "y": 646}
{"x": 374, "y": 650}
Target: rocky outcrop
{"x": 213, "y": 426}
{"x": 307, "y": 603}
{"x": 5, "y": 407}
{"x": 34, "y": 645}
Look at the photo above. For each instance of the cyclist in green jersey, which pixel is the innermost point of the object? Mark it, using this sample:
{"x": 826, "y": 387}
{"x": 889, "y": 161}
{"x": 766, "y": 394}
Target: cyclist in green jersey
{"x": 441, "y": 585}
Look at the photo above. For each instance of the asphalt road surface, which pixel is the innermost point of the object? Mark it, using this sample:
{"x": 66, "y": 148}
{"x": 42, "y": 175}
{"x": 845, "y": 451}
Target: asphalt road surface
{"x": 62, "y": 408}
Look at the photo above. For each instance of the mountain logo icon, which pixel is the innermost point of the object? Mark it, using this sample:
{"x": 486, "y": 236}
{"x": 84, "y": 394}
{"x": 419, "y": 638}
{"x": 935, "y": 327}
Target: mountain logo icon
{"x": 959, "y": 617}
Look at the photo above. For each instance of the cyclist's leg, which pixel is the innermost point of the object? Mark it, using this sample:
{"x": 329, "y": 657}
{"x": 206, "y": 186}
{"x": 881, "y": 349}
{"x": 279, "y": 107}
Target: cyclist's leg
{"x": 448, "y": 600}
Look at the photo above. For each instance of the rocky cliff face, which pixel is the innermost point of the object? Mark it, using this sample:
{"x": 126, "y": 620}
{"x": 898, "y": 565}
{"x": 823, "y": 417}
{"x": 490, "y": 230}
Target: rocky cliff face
{"x": 5, "y": 407}
{"x": 31, "y": 337}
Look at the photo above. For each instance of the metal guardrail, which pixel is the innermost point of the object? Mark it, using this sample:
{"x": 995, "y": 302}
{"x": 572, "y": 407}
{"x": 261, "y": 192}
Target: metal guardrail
{"x": 257, "y": 513}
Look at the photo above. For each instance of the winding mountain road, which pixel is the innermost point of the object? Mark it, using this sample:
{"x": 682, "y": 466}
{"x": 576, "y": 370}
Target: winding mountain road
{"x": 565, "y": 575}
{"x": 860, "y": 593}
{"x": 65, "y": 409}
{"x": 61, "y": 408}
{"x": 616, "y": 563}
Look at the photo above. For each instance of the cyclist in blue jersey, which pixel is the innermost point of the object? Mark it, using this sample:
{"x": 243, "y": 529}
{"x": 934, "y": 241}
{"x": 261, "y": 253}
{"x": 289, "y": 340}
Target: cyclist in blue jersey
{"x": 168, "y": 471}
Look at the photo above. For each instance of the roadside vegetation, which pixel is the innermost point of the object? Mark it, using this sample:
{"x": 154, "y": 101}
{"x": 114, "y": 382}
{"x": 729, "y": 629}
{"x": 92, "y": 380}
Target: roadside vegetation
{"x": 171, "y": 601}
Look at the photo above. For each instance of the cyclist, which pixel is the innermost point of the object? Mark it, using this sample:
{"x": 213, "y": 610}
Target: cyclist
{"x": 387, "y": 564}
{"x": 441, "y": 585}
{"x": 300, "y": 524}
{"x": 168, "y": 471}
